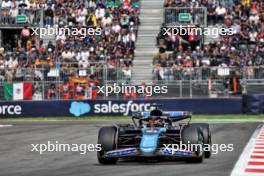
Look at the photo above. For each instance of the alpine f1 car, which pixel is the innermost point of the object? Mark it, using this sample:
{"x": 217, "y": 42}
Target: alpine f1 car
{"x": 155, "y": 134}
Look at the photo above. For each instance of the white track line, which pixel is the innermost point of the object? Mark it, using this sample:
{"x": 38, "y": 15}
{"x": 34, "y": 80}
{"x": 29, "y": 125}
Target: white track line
{"x": 1, "y": 126}
{"x": 257, "y": 160}
{"x": 246, "y": 161}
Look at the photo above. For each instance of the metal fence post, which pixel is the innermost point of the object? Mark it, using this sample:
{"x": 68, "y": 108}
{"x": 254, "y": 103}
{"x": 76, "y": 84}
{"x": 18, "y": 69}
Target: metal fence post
{"x": 1, "y": 38}
{"x": 191, "y": 92}
{"x": 205, "y": 17}
{"x": 181, "y": 88}
{"x": 106, "y": 78}
{"x": 244, "y": 81}
{"x": 43, "y": 84}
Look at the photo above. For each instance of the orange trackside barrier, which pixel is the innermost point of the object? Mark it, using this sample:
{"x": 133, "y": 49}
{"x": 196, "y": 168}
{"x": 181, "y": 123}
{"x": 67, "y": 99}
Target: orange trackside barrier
{"x": 235, "y": 85}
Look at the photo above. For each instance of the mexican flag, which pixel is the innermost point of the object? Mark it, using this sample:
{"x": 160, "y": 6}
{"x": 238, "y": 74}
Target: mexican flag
{"x": 18, "y": 91}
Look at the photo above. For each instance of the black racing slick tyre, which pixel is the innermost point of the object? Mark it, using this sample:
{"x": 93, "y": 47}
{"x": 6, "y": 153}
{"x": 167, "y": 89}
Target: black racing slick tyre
{"x": 207, "y": 137}
{"x": 107, "y": 138}
{"x": 193, "y": 135}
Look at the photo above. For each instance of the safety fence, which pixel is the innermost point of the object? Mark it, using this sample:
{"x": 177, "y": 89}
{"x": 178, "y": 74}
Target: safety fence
{"x": 64, "y": 70}
{"x": 70, "y": 82}
{"x": 80, "y": 83}
{"x": 169, "y": 74}
{"x": 177, "y": 16}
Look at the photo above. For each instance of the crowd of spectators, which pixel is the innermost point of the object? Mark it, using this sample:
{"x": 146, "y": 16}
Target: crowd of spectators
{"x": 116, "y": 22}
{"x": 11, "y": 9}
{"x": 244, "y": 48}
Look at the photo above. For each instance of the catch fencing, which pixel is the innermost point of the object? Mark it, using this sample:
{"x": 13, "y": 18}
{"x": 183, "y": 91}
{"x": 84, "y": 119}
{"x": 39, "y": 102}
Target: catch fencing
{"x": 180, "y": 82}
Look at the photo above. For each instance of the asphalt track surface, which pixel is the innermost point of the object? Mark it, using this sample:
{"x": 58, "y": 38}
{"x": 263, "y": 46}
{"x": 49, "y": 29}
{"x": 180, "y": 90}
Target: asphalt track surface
{"x": 16, "y": 157}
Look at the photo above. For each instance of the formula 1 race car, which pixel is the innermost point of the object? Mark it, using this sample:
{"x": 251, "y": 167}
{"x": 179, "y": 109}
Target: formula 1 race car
{"x": 155, "y": 134}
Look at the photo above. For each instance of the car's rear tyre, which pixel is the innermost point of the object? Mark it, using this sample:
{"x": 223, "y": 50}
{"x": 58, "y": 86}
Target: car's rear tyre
{"x": 193, "y": 135}
{"x": 106, "y": 138}
{"x": 207, "y": 137}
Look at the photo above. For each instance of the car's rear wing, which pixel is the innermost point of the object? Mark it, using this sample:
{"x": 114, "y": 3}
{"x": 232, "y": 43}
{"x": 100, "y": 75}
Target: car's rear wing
{"x": 173, "y": 115}
{"x": 170, "y": 116}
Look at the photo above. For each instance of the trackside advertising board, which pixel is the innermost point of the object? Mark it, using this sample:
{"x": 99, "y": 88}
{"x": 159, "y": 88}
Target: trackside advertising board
{"x": 73, "y": 108}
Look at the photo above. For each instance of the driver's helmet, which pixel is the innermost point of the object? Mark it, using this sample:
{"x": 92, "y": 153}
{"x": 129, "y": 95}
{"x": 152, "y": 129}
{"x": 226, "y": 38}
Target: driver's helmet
{"x": 154, "y": 120}
{"x": 156, "y": 112}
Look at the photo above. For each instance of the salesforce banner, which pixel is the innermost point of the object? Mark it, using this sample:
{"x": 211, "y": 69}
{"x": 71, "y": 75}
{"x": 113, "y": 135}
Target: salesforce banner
{"x": 74, "y": 108}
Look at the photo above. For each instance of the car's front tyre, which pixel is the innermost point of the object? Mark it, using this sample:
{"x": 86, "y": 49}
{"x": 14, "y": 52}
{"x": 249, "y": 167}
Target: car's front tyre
{"x": 107, "y": 139}
{"x": 193, "y": 136}
{"x": 207, "y": 137}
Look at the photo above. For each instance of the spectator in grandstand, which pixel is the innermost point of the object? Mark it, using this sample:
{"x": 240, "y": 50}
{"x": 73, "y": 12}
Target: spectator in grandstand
{"x": 13, "y": 14}
{"x": 5, "y": 16}
{"x": 48, "y": 16}
{"x": 67, "y": 54}
{"x": 211, "y": 15}
{"x": 93, "y": 86}
{"x": 127, "y": 74}
{"x": 25, "y": 36}
{"x": 100, "y": 12}
{"x": 11, "y": 62}
{"x": 2, "y": 74}
{"x": 124, "y": 21}
{"x": 6, "y": 4}
{"x": 160, "y": 58}
{"x": 83, "y": 62}
{"x": 107, "y": 20}
{"x": 50, "y": 46}
{"x": 65, "y": 90}
{"x": 5, "y": 74}
{"x": 254, "y": 17}
{"x": 19, "y": 73}
{"x": 2, "y": 62}
{"x": 9, "y": 75}
{"x": 52, "y": 92}
{"x": 220, "y": 12}
{"x": 91, "y": 19}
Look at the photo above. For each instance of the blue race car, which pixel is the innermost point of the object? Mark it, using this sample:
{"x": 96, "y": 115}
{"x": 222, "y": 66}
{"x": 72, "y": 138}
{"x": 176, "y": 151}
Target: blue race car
{"x": 155, "y": 134}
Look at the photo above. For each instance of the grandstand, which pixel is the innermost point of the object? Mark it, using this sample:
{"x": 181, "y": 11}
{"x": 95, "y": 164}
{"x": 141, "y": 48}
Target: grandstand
{"x": 131, "y": 48}
{"x": 205, "y": 57}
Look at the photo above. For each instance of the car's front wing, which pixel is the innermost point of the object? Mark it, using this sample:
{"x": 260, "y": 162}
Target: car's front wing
{"x": 135, "y": 152}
